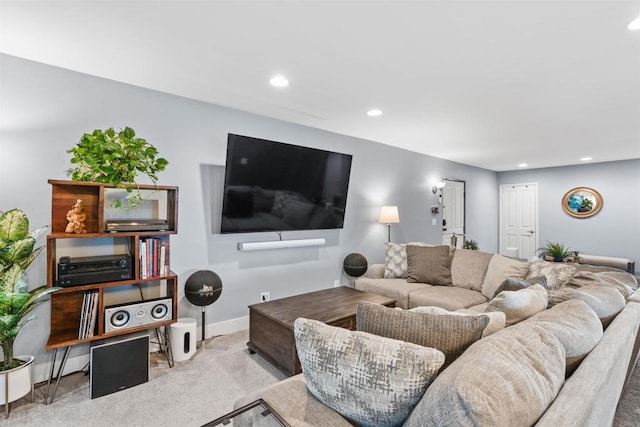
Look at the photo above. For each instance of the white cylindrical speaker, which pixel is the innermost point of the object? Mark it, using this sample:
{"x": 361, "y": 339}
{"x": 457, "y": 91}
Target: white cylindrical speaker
{"x": 182, "y": 335}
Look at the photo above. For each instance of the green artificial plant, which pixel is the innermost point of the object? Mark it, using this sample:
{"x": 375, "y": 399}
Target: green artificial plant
{"x": 556, "y": 252}
{"x": 17, "y": 251}
{"x": 116, "y": 157}
{"x": 470, "y": 244}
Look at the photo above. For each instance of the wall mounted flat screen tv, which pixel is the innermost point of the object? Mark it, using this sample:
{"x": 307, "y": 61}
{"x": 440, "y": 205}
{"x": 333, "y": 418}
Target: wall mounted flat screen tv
{"x": 273, "y": 186}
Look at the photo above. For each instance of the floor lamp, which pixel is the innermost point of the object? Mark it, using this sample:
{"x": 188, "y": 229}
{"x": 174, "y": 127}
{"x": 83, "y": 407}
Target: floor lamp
{"x": 389, "y": 215}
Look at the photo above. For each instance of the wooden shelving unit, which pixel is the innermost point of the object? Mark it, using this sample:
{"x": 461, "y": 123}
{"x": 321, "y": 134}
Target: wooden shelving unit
{"x": 66, "y": 304}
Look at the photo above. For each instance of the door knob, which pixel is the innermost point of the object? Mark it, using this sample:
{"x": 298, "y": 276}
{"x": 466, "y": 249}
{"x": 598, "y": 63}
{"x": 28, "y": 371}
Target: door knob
{"x": 531, "y": 231}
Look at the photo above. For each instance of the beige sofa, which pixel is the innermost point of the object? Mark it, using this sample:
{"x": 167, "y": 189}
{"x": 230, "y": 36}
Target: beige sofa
{"x": 588, "y": 396}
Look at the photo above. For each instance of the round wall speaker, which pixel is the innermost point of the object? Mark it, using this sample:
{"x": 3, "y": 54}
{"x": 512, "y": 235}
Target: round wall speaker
{"x": 203, "y": 288}
{"x": 355, "y": 265}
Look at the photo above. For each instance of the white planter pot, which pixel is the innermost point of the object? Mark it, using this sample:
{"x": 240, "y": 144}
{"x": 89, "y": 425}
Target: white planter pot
{"x": 20, "y": 380}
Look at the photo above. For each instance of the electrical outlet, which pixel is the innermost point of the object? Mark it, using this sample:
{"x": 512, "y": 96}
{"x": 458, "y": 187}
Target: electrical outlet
{"x": 336, "y": 283}
{"x": 265, "y": 296}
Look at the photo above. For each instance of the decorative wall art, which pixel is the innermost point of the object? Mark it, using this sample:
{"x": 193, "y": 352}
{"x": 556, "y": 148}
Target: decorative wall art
{"x": 582, "y": 202}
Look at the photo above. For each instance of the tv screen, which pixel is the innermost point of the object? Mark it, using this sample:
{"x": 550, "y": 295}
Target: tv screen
{"x": 273, "y": 186}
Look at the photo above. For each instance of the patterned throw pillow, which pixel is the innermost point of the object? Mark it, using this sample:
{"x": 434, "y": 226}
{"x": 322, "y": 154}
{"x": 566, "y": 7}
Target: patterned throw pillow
{"x": 497, "y": 319}
{"x": 450, "y": 334}
{"x": 557, "y": 273}
{"x": 371, "y": 380}
{"x": 395, "y": 261}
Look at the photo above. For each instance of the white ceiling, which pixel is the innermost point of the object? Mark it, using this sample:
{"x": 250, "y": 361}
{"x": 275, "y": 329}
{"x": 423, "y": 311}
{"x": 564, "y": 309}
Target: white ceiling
{"x": 485, "y": 83}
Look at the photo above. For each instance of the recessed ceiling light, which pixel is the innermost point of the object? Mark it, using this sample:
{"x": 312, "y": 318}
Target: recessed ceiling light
{"x": 585, "y": 159}
{"x": 635, "y": 24}
{"x": 279, "y": 81}
{"x": 374, "y": 113}
{"x": 522, "y": 165}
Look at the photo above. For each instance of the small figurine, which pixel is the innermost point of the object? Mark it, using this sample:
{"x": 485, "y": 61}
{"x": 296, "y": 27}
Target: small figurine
{"x": 76, "y": 219}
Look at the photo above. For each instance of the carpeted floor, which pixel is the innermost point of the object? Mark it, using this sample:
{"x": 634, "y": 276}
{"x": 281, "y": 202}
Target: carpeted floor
{"x": 191, "y": 394}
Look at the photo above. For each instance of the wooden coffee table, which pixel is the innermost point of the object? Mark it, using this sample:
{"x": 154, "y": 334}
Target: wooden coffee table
{"x": 271, "y": 323}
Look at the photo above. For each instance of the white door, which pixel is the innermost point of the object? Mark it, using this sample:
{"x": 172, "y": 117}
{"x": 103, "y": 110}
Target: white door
{"x": 453, "y": 213}
{"x": 519, "y": 220}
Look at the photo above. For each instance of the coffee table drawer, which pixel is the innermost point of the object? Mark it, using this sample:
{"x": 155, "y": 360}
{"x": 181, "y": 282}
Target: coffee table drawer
{"x": 348, "y": 323}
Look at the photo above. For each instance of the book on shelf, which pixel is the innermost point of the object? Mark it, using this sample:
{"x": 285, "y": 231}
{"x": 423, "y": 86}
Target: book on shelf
{"x": 153, "y": 257}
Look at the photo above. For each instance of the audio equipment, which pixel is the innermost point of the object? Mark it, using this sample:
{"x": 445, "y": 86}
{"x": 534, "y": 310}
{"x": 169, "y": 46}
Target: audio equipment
{"x": 119, "y": 363}
{"x": 94, "y": 269}
{"x": 114, "y": 226}
{"x": 124, "y": 316}
{"x": 280, "y": 244}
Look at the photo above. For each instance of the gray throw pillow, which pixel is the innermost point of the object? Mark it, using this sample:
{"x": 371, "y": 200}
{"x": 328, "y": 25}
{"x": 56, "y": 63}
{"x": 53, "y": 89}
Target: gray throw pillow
{"x": 451, "y": 334}
{"x": 371, "y": 380}
{"x": 514, "y": 284}
{"x": 429, "y": 264}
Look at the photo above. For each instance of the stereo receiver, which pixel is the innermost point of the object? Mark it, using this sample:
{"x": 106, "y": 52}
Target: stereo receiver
{"x": 94, "y": 269}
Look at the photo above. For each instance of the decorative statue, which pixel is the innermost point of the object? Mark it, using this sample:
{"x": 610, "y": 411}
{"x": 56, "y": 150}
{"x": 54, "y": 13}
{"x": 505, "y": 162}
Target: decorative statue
{"x": 76, "y": 219}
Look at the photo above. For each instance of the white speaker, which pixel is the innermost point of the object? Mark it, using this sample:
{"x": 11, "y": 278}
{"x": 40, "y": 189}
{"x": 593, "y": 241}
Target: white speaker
{"x": 125, "y": 316}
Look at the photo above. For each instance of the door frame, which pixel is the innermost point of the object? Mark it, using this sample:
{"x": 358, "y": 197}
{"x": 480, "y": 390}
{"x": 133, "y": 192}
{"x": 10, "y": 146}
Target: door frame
{"x": 464, "y": 208}
{"x": 537, "y": 222}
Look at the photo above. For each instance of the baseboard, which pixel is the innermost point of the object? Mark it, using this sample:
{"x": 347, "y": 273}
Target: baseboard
{"x": 78, "y": 362}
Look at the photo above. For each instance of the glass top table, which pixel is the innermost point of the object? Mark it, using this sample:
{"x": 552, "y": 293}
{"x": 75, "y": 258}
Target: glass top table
{"x": 257, "y": 413}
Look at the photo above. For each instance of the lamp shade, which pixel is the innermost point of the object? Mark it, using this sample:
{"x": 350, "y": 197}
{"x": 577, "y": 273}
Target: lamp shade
{"x": 355, "y": 265}
{"x": 389, "y": 215}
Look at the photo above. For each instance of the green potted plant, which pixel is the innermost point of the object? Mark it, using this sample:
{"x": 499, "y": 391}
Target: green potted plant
{"x": 471, "y": 244}
{"x": 556, "y": 252}
{"x": 17, "y": 251}
{"x": 116, "y": 157}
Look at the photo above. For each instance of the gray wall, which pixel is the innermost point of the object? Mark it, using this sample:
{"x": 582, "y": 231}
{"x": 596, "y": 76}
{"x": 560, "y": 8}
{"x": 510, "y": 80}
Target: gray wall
{"x": 614, "y": 231}
{"x": 44, "y": 111}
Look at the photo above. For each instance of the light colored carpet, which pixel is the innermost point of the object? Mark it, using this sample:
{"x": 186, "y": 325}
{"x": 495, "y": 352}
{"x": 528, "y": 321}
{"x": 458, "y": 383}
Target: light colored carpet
{"x": 190, "y": 394}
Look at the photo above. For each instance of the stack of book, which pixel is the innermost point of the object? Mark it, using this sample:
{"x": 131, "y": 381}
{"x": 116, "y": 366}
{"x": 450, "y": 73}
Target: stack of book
{"x": 153, "y": 257}
{"x": 89, "y": 315}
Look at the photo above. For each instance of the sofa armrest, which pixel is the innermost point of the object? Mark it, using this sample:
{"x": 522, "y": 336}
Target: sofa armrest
{"x": 374, "y": 271}
{"x": 609, "y": 261}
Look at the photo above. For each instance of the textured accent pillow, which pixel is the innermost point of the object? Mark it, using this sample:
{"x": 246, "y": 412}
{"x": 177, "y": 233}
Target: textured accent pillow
{"x": 497, "y": 319}
{"x": 577, "y": 327}
{"x": 507, "y": 379}
{"x": 605, "y": 300}
{"x": 519, "y": 305}
{"x": 395, "y": 261}
{"x": 371, "y": 380}
{"x": 448, "y": 333}
{"x": 501, "y": 267}
{"x": 513, "y": 284}
{"x": 468, "y": 268}
{"x": 557, "y": 273}
{"x": 428, "y": 264}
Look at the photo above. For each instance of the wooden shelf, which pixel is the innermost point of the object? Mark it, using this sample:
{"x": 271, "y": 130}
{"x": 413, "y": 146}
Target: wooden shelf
{"x": 67, "y": 303}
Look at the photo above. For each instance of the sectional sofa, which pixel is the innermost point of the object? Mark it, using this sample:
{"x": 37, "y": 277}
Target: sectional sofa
{"x": 562, "y": 346}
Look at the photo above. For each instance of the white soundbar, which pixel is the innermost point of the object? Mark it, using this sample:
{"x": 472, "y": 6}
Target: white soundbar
{"x": 279, "y": 244}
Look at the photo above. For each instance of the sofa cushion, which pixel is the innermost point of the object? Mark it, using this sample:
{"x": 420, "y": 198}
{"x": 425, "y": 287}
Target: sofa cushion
{"x": 507, "y": 379}
{"x": 448, "y": 297}
{"x": 369, "y": 379}
{"x": 557, "y": 273}
{"x": 468, "y": 268}
{"x": 500, "y": 267}
{"x": 497, "y": 319}
{"x": 605, "y": 300}
{"x": 448, "y": 333}
{"x": 398, "y": 289}
{"x": 577, "y": 327}
{"x": 428, "y": 264}
{"x": 519, "y": 305}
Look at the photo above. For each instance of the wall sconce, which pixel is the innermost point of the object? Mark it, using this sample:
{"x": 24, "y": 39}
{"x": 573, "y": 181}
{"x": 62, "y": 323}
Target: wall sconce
{"x": 389, "y": 215}
{"x": 438, "y": 186}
